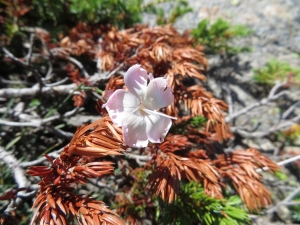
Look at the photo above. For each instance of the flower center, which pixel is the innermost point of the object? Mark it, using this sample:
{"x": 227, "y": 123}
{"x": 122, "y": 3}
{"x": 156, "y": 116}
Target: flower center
{"x": 141, "y": 109}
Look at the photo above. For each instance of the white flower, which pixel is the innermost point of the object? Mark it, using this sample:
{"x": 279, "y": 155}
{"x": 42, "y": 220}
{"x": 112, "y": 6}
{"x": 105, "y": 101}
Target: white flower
{"x": 136, "y": 111}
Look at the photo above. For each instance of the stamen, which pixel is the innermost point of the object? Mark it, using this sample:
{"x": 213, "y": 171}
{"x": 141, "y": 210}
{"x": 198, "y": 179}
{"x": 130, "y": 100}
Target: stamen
{"x": 159, "y": 113}
{"x": 136, "y": 109}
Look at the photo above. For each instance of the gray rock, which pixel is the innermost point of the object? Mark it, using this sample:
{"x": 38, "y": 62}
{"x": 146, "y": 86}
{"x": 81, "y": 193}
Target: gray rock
{"x": 284, "y": 213}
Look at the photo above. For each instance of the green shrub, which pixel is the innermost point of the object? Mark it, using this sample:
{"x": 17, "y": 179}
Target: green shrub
{"x": 122, "y": 13}
{"x": 215, "y": 36}
{"x": 179, "y": 8}
{"x": 276, "y": 70}
{"x": 194, "y": 206}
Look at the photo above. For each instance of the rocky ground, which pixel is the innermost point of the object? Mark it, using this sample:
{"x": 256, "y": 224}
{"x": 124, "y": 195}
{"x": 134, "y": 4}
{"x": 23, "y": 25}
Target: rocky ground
{"x": 275, "y": 26}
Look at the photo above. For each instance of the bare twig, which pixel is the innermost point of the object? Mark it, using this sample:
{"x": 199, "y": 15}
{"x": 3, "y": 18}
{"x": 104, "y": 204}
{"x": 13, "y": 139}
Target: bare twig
{"x": 284, "y": 201}
{"x": 29, "y": 54}
{"x": 58, "y": 82}
{"x": 39, "y": 122}
{"x": 60, "y": 133}
{"x": 290, "y": 110}
{"x": 280, "y": 126}
{"x": 140, "y": 159}
{"x": 49, "y": 73}
{"x": 54, "y": 154}
{"x": 79, "y": 65}
{"x": 281, "y": 163}
{"x": 31, "y": 92}
{"x": 4, "y": 81}
{"x": 12, "y": 163}
{"x": 271, "y": 97}
{"x": 229, "y": 99}
{"x": 28, "y": 66}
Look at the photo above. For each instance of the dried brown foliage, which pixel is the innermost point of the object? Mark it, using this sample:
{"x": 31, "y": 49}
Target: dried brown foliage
{"x": 79, "y": 98}
{"x": 187, "y": 155}
{"x": 113, "y": 84}
{"x": 75, "y": 75}
{"x": 170, "y": 169}
{"x": 57, "y": 202}
{"x": 240, "y": 166}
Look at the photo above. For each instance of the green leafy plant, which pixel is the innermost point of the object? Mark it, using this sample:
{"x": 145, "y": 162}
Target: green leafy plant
{"x": 180, "y": 8}
{"x": 122, "y": 13}
{"x": 276, "y": 70}
{"x": 216, "y": 36}
{"x": 193, "y": 205}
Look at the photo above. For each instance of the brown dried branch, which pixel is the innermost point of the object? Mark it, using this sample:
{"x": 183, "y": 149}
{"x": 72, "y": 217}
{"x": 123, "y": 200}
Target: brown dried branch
{"x": 113, "y": 84}
{"x": 170, "y": 169}
{"x": 104, "y": 139}
{"x": 211, "y": 109}
{"x": 174, "y": 143}
{"x": 57, "y": 201}
{"x": 54, "y": 206}
{"x": 240, "y": 166}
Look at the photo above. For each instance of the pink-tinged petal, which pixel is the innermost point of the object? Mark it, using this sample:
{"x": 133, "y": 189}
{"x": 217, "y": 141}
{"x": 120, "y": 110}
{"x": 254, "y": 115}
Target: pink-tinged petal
{"x": 150, "y": 76}
{"x": 136, "y": 81}
{"x": 158, "y": 94}
{"x": 134, "y": 131}
{"x": 119, "y": 104}
{"x": 107, "y": 94}
{"x": 157, "y": 127}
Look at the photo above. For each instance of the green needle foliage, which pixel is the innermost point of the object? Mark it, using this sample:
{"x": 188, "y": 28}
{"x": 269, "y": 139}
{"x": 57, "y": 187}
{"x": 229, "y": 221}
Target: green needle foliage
{"x": 179, "y": 8}
{"x": 195, "y": 122}
{"x": 276, "y": 70}
{"x": 193, "y": 206}
{"x": 122, "y": 13}
{"x": 215, "y": 36}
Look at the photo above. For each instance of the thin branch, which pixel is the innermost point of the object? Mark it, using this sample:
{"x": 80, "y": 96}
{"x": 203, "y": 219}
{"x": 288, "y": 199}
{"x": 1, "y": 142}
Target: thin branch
{"x": 281, "y": 163}
{"x": 284, "y": 201}
{"x": 229, "y": 99}
{"x": 140, "y": 159}
{"x": 33, "y": 91}
{"x": 39, "y": 122}
{"x": 79, "y": 65}
{"x": 282, "y": 125}
{"x": 290, "y": 110}
{"x": 58, "y": 82}
{"x": 114, "y": 71}
{"x": 12, "y": 163}
{"x": 276, "y": 87}
{"x": 29, "y": 54}
{"x": 60, "y": 133}
{"x": 49, "y": 73}
{"x": 54, "y": 154}
{"x": 31, "y": 68}
{"x": 271, "y": 97}
{"x": 4, "y": 81}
